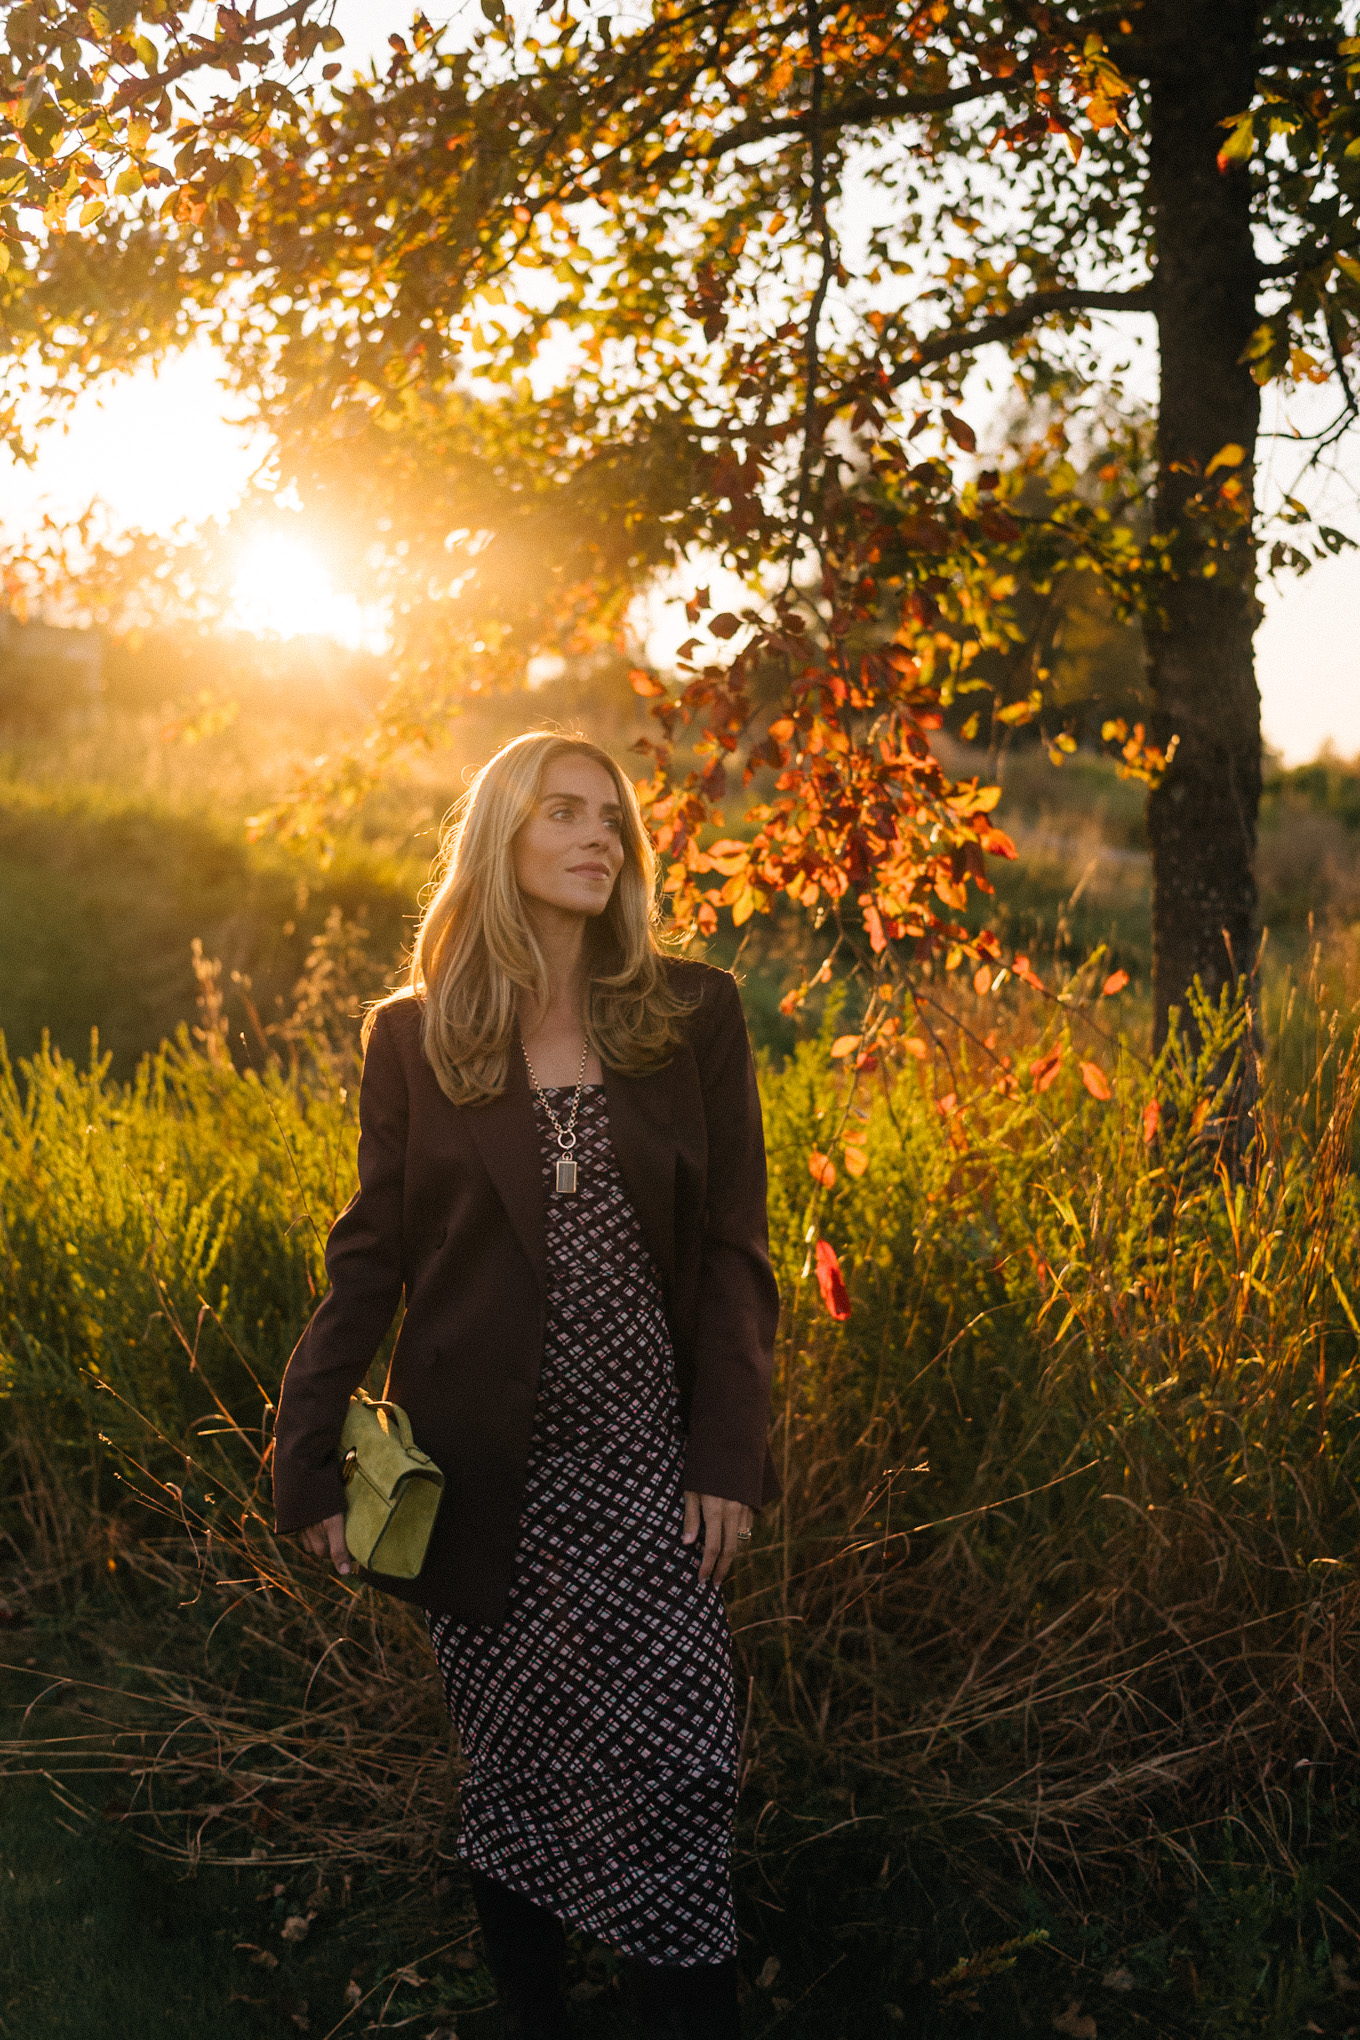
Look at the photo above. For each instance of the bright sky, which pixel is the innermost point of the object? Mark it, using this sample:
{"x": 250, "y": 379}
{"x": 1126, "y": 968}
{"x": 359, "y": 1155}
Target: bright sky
{"x": 195, "y": 462}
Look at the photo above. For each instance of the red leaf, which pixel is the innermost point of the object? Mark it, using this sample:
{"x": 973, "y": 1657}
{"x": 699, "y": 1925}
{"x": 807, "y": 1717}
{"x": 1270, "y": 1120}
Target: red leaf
{"x": 821, "y": 1168}
{"x": 1115, "y": 982}
{"x": 1152, "y": 1119}
{"x": 1096, "y": 1081}
{"x": 1045, "y": 1068}
{"x": 962, "y": 434}
{"x": 832, "y": 1283}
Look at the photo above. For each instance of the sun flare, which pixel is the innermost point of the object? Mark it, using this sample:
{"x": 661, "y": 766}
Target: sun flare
{"x": 284, "y": 589}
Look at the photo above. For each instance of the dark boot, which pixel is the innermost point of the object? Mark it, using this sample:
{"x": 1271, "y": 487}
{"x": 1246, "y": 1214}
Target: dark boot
{"x": 526, "y": 1952}
{"x": 694, "y": 2003}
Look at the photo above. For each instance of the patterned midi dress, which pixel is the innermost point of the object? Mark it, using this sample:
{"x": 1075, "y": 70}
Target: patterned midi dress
{"x": 596, "y": 1721}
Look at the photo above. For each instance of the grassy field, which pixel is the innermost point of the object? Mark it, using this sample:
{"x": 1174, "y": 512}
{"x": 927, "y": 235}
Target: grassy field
{"x": 1048, "y": 1665}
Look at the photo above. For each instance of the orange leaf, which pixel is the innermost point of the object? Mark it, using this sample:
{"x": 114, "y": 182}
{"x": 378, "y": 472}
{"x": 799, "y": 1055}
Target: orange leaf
{"x": 856, "y": 1155}
{"x": 1152, "y": 1119}
{"x": 822, "y": 1169}
{"x": 1115, "y": 982}
{"x": 1021, "y": 969}
{"x": 643, "y": 683}
{"x": 1096, "y": 1081}
{"x": 844, "y": 1044}
{"x": 831, "y": 1282}
{"x": 913, "y": 1045}
{"x": 1045, "y": 1068}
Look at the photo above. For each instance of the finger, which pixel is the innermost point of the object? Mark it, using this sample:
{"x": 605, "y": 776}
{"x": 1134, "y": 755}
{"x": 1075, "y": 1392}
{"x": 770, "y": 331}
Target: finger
{"x": 313, "y": 1540}
{"x": 692, "y": 1517}
{"x": 729, "y": 1545}
{"x": 339, "y": 1550}
{"x": 712, "y": 1536}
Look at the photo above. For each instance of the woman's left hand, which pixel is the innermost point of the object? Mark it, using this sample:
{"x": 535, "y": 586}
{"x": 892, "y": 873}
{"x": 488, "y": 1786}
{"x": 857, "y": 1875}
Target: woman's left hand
{"x": 723, "y": 1525}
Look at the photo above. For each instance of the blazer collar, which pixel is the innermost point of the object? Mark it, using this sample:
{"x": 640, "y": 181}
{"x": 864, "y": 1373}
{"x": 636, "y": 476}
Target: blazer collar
{"x": 506, "y": 1137}
{"x": 642, "y": 1130}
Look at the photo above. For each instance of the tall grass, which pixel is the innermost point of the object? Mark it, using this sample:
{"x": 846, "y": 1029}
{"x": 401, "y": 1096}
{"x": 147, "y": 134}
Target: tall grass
{"x": 1062, "y": 1581}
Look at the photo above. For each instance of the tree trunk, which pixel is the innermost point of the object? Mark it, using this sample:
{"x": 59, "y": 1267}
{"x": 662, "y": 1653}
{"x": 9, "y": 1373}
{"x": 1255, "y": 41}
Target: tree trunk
{"x": 1202, "y": 818}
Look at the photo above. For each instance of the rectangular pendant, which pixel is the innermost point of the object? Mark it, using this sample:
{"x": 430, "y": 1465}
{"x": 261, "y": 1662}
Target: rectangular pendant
{"x": 566, "y": 1174}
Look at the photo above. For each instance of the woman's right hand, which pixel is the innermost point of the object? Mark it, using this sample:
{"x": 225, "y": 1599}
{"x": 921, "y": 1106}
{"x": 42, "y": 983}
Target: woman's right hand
{"x": 327, "y": 1540}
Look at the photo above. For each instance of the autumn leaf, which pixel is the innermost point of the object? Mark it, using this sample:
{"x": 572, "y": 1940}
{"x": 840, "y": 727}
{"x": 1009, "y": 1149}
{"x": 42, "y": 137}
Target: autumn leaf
{"x": 1096, "y": 1081}
{"x": 1075, "y": 2023}
{"x": 1115, "y": 982}
{"x": 913, "y": 1045}
{"x": 856, "y": 1150}
{"x": 1240, "y": 143}
{"x": 982, "y": 981}
{"x": 1152, "y": 1119}
{"x": 1229, "y": 456}
{"x": 1044, "y": 1068}
{"x": 821, "y": 1168}
{"x": 1020, "y": 967}
{"x": 844, "y": 1045}
{"x": 726, "y": 625}
{"x": 959, "y": 431}
{"x": 832, "y": 1283}
{"x": 643, "y": 684}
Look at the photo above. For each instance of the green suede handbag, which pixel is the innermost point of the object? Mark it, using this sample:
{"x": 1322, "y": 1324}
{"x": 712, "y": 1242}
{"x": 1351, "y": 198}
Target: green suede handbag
{"x": 392, "y": 1489}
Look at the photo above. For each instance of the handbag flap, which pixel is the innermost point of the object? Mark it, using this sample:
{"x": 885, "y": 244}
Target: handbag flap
{"x": 384, "y": 1457}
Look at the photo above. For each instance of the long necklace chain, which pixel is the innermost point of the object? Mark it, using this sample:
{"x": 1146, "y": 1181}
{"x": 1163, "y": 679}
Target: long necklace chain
{"x": 565, "y": 1180}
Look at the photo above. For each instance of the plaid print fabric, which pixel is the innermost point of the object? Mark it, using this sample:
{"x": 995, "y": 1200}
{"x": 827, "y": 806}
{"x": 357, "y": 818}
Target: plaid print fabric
{"x": 597, "y": 1721}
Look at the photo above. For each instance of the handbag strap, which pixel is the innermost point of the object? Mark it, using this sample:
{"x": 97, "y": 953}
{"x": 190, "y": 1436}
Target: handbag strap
{"x": 403, "y": 1422}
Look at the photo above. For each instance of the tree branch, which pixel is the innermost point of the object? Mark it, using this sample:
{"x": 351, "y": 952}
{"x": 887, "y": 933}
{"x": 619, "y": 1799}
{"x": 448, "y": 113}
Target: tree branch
{"x": 1007, "y": 325}
{"x": 1301, "y": 50}
{"x": 861, "y": 111}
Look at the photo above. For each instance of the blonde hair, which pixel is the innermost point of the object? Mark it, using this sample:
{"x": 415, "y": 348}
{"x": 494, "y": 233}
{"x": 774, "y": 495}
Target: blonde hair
{"x": 476, "y": 958}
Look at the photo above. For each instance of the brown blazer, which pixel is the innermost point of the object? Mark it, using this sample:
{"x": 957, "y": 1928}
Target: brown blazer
{"x": 449, "y": 1213}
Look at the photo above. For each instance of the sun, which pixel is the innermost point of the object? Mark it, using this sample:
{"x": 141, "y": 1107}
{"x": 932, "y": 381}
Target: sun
{"x": 284, "y": 589}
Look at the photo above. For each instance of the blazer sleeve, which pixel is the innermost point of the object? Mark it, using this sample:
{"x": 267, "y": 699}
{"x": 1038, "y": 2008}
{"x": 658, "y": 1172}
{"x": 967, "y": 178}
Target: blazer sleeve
{"x": 364, "y": 1264}
{"x": 738, "y": 1304}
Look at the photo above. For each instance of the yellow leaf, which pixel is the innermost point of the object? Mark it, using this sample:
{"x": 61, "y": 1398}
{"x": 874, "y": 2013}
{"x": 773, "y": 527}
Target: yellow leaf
{"x": 1230, "y": 456}
{"x": 1240, "y": 143}
{"x": 1348, "y": 266}
{"x": 4, "y": 258}
{"x": 91, "y": 211}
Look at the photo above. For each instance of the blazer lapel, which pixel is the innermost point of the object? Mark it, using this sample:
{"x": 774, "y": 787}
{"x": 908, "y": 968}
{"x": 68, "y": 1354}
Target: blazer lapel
{"x": 642, "y": 1130}
{"x": 506, "y": 1138}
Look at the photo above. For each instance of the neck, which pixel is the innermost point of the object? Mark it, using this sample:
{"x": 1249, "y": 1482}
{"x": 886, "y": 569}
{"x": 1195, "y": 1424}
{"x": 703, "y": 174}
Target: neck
{"x": 562, "y": 939}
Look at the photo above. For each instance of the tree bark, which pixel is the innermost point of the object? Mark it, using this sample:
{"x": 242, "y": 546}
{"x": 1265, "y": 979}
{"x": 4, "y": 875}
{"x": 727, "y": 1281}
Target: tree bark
{"x": 1202, "y": 818}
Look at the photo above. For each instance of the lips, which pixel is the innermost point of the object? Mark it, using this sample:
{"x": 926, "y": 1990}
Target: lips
{"x": 588, "y": 870}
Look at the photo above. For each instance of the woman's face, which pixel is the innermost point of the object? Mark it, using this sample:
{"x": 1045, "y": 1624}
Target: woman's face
{"x": 569, "y": 852}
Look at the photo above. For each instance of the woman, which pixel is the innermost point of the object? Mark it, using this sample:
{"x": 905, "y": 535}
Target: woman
{"x": 562, "y": 1170}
